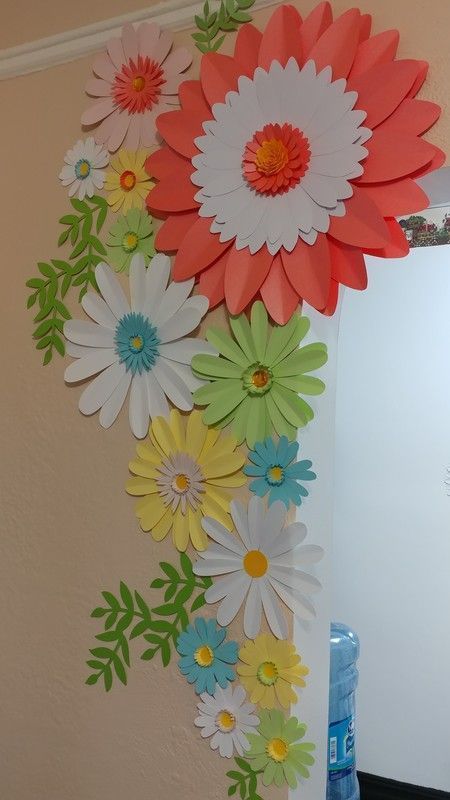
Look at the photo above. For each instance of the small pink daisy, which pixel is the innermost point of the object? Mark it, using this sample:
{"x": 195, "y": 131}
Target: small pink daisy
{"x": 138, "y": 78}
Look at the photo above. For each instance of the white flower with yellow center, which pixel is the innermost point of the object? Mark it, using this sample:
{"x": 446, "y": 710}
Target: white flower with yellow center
{"x": 260, "y": 569}
{"x": 83, "y": 169}
{"x": 227, "y": 718}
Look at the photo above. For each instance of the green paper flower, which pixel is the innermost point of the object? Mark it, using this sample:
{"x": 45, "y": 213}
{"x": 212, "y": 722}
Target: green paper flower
{"x": 255, "y": 380}
{"x": 131, "y": 234}
{"x": 276, "y": 751}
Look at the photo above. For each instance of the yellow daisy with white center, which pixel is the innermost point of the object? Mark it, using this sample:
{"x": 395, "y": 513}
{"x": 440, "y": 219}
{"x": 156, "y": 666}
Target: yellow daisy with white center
{"x": 269, "y": 668}
{"x": 127, "y": 183}
{"x": 182, "y": 473}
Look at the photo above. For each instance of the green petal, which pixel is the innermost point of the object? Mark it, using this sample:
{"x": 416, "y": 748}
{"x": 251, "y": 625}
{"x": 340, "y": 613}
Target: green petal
{"x": 305, "y": 384}
{"x": 279, "y": 775}
{"x": 121, "y": 226}
{"x": 145, "y": 227}
{"x": 227, "y": 402}
{"x": 146, "y": 247}
{"x": 306, "y": 359}
{"x": 256, "y": 421}
{"x": 286, "y": 338}
{"x": 257, "y": 744}
{"x": 240, "y": 419}
{"x": 265, "y": 726}
{"x": 279, "y": 422}
{"x": 300, "y": 756}
{"x": 133, "y": 219}
{"x": 215, "y": 366}
{"x": 225, "y": 345}
{"x": 213, "y": 391}
{"x": 292, "y": 407}
{"x": 259, "y": 326}
{"x": 243, "y": 335}
{"x": 269, "y": 773}
{"x": 290, "y": 732}
{"x": 260, "y": 761}
{"x": 289, "y": 775}
{"x": 278, "y": 722}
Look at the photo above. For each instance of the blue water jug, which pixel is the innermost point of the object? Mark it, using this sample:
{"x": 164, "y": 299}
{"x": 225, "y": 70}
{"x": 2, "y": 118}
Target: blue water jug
{"x": 342, "y": 782}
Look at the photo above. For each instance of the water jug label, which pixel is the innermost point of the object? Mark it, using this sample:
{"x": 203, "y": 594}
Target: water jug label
{"x": 341, "y": 749}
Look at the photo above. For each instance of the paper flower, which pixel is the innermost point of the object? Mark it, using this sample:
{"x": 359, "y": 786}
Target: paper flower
{"x": 275, "y": 473}
{"x": 127, "y": 182}
{"x": 83, "y": 171}
{"x": 130, "y": 234}
{"x": 205, "y": 657}
{"x": 227, "y": 718}
{"x": 292, "y": 159}
{"x": 269, "y": 669}
{"x": 277, "y": 751}
{"x": 254, "y": 384}
{"x": 139, "y": 346}
{"x": 137, "y": 78}
{"x": 183, "y": 472}
{"x": 260, "y": 567}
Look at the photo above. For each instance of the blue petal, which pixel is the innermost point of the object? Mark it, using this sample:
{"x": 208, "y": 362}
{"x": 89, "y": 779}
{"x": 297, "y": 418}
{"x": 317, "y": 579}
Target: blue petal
{"x": 282, "y": 451}
{"x": 193, "y": 674}
{"x": 279, "y": 493}
{"x": 186, "y": 662}
{"x": 301, "y": 471}
{"x": 257, "y": 459}
{"x": 202, "y": 630}
{"x": 210, "y": 681}
{"x": 201, "y": 683}
{"x": 259, "y": 487}
{"x": 227, "y": 652}
{"x": 254, "y": 471}
{"x": 291, "y": 453}
{"x": 271, "y": 451}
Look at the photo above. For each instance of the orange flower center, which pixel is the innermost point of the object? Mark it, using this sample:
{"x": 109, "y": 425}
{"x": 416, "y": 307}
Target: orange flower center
{"x": 139, "y": 83}
{"x": 255, "y": 563}
{"x": 261, "y": 378}
{"x": 127, "y": 180}
{"x": 276, "y": 159}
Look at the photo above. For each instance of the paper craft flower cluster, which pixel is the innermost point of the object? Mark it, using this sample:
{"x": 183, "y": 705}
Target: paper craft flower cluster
{"x": 274, "y": 172}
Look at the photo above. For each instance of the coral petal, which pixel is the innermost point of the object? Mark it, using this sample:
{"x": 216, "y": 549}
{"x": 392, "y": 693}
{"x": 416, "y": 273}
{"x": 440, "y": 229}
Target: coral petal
{"x": 164, "y": 199}
{"x": 173, "y": 231}
{"x": 413, "y": 117}
{"x": 244, "y": 275}
{"x": 192, "y": 98}
{"x": 165, "y": 162}
{"x": 278, "y": 295}
{"x": 347, "y": 265}
{"x": 337, "y": 45}
{"x": 179, "y": 129}
{"x": 281, "y": 38}
{"x": 248, "y": 42}
{"x": 308, "y": 270}
{"x": 219, "y": 74}
{"x": 396, "y": 198}
{"x": 382, "y": 88}
{"x": 397, "y": 247}
{"x": 365, "y": 26}
{"x": 380, "y": 49}
{"x": 315, "y": 24}
{"x": 394, "y": 155}
{"x": 362, "y": 225}
{"x": 421, "y": 75}
{"x": 211, "y": 283}
{"x": 332, "y": 301}
{"x": 438, "y": 160}
{"x": 198, "y": 250}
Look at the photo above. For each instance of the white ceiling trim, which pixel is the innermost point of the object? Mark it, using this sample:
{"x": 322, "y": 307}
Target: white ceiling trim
{"x": 70, "y": 45}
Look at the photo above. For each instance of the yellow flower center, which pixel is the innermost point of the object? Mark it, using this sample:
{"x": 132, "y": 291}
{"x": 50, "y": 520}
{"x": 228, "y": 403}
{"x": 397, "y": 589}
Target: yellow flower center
{"x": 127, "y": 180}
{"x": 181, "y": 483}
{"x": 204, "y": 656}
{"x": 130, "y": 241}
{"x": 255, "y": 563}
{"x": 225, "y": 721}
{"x": 271, "y": 157}
{"x": 267, "y": 673}
{"x": 136, "y": 343}
{"x": 276, "y": 473}
{"x": 277, "y": 750}
{"x": 84, "y": 169}
{"x": 139, "y": 83}
{"x": 261, "y": 378}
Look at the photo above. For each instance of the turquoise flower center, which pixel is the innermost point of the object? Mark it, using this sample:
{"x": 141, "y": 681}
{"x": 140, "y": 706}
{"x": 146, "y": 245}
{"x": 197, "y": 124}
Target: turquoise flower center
{"x": 82, "y": 169}
{"x": 257, "y": 379}
{"x": 275, "y": 475}
{"x": 137, "y": 342}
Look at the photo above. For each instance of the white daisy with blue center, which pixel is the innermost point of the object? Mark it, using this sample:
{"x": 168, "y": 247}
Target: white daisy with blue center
{"x": 83, "y": 170}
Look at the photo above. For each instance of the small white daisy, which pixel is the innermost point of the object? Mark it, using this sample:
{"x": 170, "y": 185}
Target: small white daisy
{"x": 83, "y": 169}
{"x": 226, "y": 718}
{"x": 260, "y": 569}
{"x": 140, "y": 346}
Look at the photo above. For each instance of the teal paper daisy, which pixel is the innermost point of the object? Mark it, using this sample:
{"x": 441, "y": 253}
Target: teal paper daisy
{"x": 275, "y": 473}
{"x": 205, "y": 657}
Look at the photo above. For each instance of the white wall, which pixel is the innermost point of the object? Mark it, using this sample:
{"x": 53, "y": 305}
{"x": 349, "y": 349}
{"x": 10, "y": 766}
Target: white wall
{"x": 392, "y": 512}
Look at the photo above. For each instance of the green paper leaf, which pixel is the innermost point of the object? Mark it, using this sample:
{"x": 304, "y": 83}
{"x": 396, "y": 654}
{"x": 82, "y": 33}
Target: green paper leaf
{"x": 80, "y": 205}
{"x": 198, "y": 602}
{"x": 170, "y": 571}
{"x": 158, "y": 583}
{"x": 46, "y": 269}
{"x": 47, "y": 358}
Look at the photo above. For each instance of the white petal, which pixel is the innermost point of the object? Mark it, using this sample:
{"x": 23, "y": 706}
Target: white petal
{"x": 172, "y": 384}
{"x": 138, "y": 408}
{"x": 220, "y": 535}
{"x": 299, "y": 605}
{"x": 256, "y": 512}
{"x": 184, "y": 350}
{"x": 294, "y": 578}
{"x": 230, "y": 605}
{"x": 174, "y": 297}
{"x": 222, "y": 586}
{"x": 253, "y": 610}
{"x": 289, "y": 538}
{"x": 98, "y": 310}
{"x": 111, "y": 290}
{"x": 79, "y": 350}
{"x": 308, "y": 554}
{"x": 137, "y": 282}
{"x": 326, "y": 190}
{"x": 156, "y": 281}
{"x": 90, "y": 365}
{"x": 157, "y": 401}
{"x": 101, "y": 388}
{"x": 302, "y": 208}
{"x": 274, "y": 519}
{"x": 220, "y": 566}
{"x": 80, "y": 331}
{"x": 240, "y": 519}
{"x": 187, "y": 319}
{"x": 110, "y": 410}
{"x": 274, "y": 615}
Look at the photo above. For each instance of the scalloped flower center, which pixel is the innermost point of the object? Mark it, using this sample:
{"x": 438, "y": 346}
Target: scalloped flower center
{"x": 127, "y": 180}
{"x": 276, "y": 158}
{"x": 257, "y": 379}
{"x": 275, "y": 475}
{"x": 225, "y": 721}
{"x": 267, "y": 673}
{"x": 137, "y": 342}
{"x": 277, "y": 749}
{"x": 137, "y": 86}
{"x": 180, "y": 483}
{"x": 255, "y": 563}
{"x": 130, "y": 241}
{"x": 82, "y": 169}
{"x": 204, "y": 656}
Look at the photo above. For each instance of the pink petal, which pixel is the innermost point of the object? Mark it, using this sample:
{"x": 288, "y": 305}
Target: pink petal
{"x": 133, "y": 134}
{"x": 97, "y": 112}
{"x": 98, "y": 88}
{"x": 105, "y": 129}
{"x": 129, "y": 42}
{"x": 177, "y": 61}
{"x": 148, "y": 35}
{"x": 119, "y": 131}
{"x": 116, "y": 54}
{"x": 163, "y": 46}
{"x": 104, "y": 68}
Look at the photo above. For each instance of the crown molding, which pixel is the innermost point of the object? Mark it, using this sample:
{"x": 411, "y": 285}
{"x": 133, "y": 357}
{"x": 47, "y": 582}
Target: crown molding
{"x": 69, "y": 45}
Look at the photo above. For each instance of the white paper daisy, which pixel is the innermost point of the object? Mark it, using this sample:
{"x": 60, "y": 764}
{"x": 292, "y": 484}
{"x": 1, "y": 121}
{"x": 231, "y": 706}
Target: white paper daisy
{"x": 261, "y": 569}
{"x": 83, "y": 169}
{"x": 226, "y": 717}
{"x": 278, "y": 156}
{"x": 141, "y": 345}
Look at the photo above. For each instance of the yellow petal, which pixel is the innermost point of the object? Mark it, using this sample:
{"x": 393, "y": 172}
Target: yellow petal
{"x": 257, "y": 695}
{"x": 143, "y": 469}
{"x": 112, "y": 181}
{"x": 177, "y": 428}
{"x": 218, "y": 495}
{"x": 127, "y": 202}
{"x": 199, "y": 538}
{"x": 152, "y": 513}
{"x": 139, "y": 486}
{"x": 162, "y": 528}
{"x": 246, "y": 670}
{"x": 225, "y": 445}
{"x": 211, "y": 438}
{"x": 231, "y": 481}
{"x": 196, "y": 433}
{"x": 268, "y": 698}
{"x": 123, "y": 160}
{"x": 223, "y": 465}
{"x": 148, "y": 453}
{"x": 180, "y": 530}
{"x": 285, "y": 694}
{"x": 212, "y": 509}
{"x": 163, "y": 435}
{"x": 115, "y": 198}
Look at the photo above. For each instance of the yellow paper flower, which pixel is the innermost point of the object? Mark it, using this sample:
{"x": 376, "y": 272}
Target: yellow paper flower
{"x": 183, "y": 471}
{"x": 269, "y": 668}
{"x": 127, "y": 183}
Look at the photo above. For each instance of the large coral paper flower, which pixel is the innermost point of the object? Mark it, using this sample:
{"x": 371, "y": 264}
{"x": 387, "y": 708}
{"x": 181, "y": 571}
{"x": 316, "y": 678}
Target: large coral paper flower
{"x": 136, "y": 79}
{"x": 292, "y": 159}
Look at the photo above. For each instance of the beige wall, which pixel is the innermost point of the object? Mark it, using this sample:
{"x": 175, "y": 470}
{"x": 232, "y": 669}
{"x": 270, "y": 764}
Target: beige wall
{"x": 68, "y": 528}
